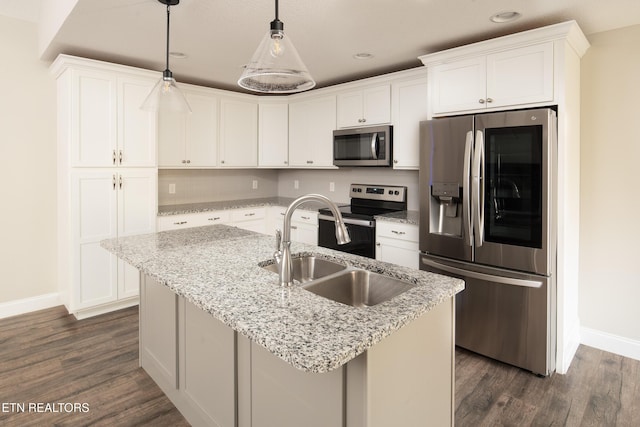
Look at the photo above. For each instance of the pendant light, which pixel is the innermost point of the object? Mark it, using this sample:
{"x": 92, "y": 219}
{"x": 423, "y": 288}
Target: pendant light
{"x": 275, "y": 66}
{"x": 165, "y": 95}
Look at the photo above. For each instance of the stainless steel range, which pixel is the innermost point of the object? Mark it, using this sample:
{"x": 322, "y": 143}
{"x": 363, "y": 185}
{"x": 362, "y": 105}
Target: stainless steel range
{"x": 367, "y": 201}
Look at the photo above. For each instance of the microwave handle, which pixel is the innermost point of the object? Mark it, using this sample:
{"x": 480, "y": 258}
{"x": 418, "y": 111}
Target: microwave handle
{"x": 374, "y": 146}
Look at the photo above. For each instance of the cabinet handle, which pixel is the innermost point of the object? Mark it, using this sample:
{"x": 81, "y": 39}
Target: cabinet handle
{"x": 120, "y": 156}
{"x": 489, "y": 100}
{"x": 120, "y": 182}
{"x": 249, "y": 214}
{"x": 215, "y": 218}
{"x": 114, "y": 180}
{"x": 114, "y": 157}
{"x": 481, "y": 101}
{"x": 180, "y": 223}
{"x": 309, "y": 162}
{"x": 399, "y": 233}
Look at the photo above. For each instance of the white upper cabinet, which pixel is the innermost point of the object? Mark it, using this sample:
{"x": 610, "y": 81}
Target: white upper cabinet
{"x": 238, "y": 133}
{"x": 311, "y": 125}
{"x": 364, "y": 107}
{"x": 107, "y": 127}
{"x": 409, "y": 109}
{"x": 190, "y": 140}
{"x": 273, "y": 134}
{"x": 511, "y": 77}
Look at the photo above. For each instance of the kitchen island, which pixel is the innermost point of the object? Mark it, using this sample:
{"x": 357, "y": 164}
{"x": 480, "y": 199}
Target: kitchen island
{"x": 229, "y": 346}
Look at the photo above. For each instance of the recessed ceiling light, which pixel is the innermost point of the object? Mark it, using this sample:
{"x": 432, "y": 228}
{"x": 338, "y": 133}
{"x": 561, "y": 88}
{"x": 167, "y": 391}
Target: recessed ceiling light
{"x": 504, "y": 17}
{"x": 178, "y": 55}
{"x": 363, "y": 55}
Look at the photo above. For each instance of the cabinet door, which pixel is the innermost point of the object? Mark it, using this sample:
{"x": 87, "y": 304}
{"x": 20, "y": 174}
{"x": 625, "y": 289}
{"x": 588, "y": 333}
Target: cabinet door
{"x": 376, "y": 105}
{"x": 93, "y": 218}
{"x": 273, "y": 135}
{"x": 201, "y": 133}
{"x": 136, "y": 128}
{"x": 311, "y": 126}
{"x": 459, "y": 86}
{"x": 349, "y": 109}
{"x": 398, "y": 252}
{"x": 128, "y": 280}
{"x": 93, "y": 119}
{"x": 137, "y": 206}
{"x": 238, "y": 133}
{"x": 520, "y": 76}
{"x": 171, "y": 139}
{"x": 410, "y": 100}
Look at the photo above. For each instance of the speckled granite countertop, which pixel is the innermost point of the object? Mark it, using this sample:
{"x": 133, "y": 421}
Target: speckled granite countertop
{"x": 403, "y": 217}
{"x": 217, "y": 268}
{"x": 227, "y": 204}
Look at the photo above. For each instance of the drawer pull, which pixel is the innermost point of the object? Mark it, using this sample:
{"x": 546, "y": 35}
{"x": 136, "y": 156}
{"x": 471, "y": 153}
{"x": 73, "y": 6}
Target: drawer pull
{"x": 399, "y": 233}
{"x": 305, "y": 217}
{"x": 180, "y": 223}
{"x": 250, "y": 214}
{"x": 215, "y": 218}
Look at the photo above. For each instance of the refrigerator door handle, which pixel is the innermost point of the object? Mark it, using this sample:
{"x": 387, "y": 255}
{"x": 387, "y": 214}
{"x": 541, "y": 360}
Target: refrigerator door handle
{"x": 466, "y": 177}
{"x": 478, "y": 189}
{"x": 482, "y": 276}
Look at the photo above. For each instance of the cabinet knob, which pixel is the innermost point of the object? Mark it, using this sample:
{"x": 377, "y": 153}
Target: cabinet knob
{"x": 184, "y": 161}
{"x": 481, "y": 101}
{"x": 286, "y": 162}
{"x": 489, "y": 100}
{"x": 377, "y": 243}
{"x": 222, "y": 162}
{"x": 188, "y": 161}
{"x": 395, "y": 161}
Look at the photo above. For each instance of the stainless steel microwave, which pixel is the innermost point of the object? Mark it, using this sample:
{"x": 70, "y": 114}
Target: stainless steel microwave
{"x": 368, "y": 146}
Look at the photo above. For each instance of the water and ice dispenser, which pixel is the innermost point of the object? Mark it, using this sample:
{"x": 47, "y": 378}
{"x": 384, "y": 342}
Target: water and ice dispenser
{"x": 446, "y": 208}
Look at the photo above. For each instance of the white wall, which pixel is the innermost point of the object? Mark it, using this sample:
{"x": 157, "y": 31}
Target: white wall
{"x": 28, "y": 172}
{"x": 610, "y": 192}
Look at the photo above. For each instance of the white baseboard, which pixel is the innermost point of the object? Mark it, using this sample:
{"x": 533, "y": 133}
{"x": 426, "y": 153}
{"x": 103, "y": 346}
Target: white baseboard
{"x": 27, "y": 305}
{"x": 612, "y": 343}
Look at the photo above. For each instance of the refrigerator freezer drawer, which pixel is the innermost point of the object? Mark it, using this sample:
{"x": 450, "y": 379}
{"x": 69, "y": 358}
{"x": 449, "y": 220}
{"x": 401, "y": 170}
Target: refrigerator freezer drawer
{"x": 503, "y": 315}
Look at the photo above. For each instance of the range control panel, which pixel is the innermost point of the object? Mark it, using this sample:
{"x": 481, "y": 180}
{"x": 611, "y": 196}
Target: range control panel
{"x": 378, "y": 192}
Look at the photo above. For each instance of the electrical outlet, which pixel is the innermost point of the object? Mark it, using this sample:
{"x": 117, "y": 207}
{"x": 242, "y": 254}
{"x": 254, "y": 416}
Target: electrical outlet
{"x": 254, "y": 185}
{"x": 296, "y": 184}
{"x": 332, "y": 186}
{"x": 172, "y": 189}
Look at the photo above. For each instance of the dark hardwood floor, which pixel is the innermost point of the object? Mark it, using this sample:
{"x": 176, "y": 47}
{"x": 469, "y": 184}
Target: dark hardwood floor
{"x": 55, "y": 370}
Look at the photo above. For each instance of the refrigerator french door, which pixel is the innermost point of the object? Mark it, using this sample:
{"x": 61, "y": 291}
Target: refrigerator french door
{"x": 486, "y": 198}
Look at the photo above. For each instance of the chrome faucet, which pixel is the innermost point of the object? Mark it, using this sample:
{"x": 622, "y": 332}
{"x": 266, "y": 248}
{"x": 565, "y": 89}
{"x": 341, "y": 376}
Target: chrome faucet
{"x": 282, "y": 254}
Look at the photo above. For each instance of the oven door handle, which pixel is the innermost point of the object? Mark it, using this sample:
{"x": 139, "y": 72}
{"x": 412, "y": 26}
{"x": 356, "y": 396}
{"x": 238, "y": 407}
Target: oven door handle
{"x": 352, "y": 221}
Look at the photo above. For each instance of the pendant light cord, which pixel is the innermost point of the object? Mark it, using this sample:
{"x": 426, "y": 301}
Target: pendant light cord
{"x": 167, "y": 53}
{"x": 276, "y": 10}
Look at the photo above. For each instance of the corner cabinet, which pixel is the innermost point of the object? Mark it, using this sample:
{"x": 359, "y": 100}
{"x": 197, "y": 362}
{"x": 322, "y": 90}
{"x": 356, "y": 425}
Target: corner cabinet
{"x": 513, "y": 77}
{"x": 238, "y": 132}
{"x": 107, "y": 179}
{"x": 311, "y": 124}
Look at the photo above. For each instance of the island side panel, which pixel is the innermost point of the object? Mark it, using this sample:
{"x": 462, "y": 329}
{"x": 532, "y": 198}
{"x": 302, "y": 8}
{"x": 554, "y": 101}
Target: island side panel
{"x": 284, "y": 396}
{"x": 408, "y": 378}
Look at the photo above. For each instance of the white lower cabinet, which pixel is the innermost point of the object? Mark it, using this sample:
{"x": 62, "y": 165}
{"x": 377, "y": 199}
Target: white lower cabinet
{"x": 103, "y": 204}
{"x": 254, "y": 219}
{"x": 397, "y": 243}
{"x": 304, "y": 224}
{"x": 199, "y": 219}
{"x": 217, "y": 377}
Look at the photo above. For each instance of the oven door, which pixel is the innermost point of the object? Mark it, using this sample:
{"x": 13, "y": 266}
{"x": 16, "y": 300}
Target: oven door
{"x": 362, "y": 233}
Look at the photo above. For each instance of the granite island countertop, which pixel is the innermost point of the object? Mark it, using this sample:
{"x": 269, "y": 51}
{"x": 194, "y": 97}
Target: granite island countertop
{"x": 227, "y": 204}
{"x": 218, "y": 269}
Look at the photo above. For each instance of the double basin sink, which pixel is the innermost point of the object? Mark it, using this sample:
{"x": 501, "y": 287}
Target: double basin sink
{"x": 343, "y": 284}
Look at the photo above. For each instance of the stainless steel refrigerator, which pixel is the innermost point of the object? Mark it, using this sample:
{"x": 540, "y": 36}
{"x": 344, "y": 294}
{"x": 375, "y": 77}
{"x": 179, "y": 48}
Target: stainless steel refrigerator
{"x": 487, "y": 215}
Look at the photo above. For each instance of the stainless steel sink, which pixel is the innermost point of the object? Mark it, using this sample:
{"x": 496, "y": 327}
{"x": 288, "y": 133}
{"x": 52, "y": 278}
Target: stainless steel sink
{"x": 308, "y": 268}
{"x": 358, "y": 288}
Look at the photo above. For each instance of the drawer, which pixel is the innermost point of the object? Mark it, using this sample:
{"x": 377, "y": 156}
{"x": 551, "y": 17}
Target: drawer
{"x": 213, "y": 217}
{"x": 396, "y": 230}
{"x": 238, "y": 215}
{"x": 175, "y": 222}
{"x": 305, "y": 217}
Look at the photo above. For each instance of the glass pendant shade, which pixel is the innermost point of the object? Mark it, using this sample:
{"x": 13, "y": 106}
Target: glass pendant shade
{"x": 276, "y": 67}
{"x": 166, "y": 97}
